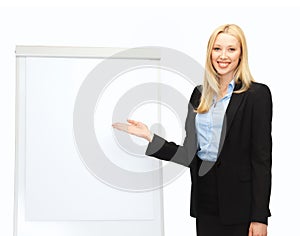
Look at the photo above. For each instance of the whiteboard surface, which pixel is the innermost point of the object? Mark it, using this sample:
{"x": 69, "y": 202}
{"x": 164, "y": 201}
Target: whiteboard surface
{"x": 56, "y": 193}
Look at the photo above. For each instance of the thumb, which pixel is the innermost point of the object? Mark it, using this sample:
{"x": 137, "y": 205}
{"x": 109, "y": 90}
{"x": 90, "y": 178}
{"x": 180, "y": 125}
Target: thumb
{"x": 250, "y": 230}
{"x": 133, "y": 122}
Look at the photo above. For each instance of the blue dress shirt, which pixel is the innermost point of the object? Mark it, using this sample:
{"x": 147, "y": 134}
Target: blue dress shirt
{"x": 209, "y": 127}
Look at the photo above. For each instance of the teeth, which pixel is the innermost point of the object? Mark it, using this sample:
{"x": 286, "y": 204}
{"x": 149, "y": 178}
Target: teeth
{"x": 223, "y": 64}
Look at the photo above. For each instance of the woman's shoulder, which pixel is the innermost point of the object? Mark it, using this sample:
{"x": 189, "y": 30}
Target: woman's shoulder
{"x": 195, "y": 96}
{"x": 197, "y": 91}
{"x": 256, "y": 87}
{"x": 259, "y": 90}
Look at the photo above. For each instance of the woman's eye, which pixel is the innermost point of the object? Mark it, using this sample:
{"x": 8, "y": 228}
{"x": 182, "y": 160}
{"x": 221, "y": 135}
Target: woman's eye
{"x": 216, "y": 49}
{"x": 232, "y": 49}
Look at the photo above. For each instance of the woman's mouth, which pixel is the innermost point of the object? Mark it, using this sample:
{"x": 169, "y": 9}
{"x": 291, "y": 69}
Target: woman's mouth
{"x": 223, "y": 64}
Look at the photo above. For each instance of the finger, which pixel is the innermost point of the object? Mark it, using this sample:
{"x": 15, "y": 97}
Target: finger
{"x": 120, "y": 126}
{"x": 133, "y": 122}
{"x": 250, "y": 230}
{"x": 116, "y": 124}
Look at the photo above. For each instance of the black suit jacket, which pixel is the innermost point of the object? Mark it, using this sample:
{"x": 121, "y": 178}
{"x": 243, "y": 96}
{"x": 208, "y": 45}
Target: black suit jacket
{"x": 243, "y": 167}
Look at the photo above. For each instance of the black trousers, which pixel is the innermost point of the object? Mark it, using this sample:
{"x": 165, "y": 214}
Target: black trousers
{"x": 208, "y": 223}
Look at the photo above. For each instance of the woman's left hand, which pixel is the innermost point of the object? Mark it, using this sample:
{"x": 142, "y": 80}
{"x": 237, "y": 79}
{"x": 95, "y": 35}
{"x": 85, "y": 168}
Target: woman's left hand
{"x": 257, "y": 229}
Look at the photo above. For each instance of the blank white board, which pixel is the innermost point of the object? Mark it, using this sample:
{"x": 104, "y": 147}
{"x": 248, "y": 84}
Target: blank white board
{"x": 56, "y": 191}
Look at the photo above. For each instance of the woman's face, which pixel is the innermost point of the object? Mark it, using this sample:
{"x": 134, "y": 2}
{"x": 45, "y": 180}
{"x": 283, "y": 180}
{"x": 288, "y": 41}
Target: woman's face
{"x": 225, "y": 55}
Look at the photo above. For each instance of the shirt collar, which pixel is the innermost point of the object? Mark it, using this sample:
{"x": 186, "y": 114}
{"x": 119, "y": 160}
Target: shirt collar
{"x": 229, "y": 91}
{"x": 231, "y": 87}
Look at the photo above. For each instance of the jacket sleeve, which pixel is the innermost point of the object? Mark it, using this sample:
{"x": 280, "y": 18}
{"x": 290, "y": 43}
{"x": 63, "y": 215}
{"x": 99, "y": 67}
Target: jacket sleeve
{"x": 261, "y": 154}
{"x": 170, "y": 151}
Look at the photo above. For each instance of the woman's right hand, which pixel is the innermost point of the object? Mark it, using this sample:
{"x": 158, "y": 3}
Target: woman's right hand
{"x": 134, "y": 127}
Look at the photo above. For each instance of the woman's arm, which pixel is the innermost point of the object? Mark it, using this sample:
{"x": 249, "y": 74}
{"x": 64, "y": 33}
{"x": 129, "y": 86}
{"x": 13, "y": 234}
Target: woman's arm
{"x": 261, "y": 154}
{"x": 160, "y": 148}
{"x": 170, "y": 151}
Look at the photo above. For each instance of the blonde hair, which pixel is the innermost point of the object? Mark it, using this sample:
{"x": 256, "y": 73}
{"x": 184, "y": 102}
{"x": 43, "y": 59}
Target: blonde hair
{"x": 242, "y": 74}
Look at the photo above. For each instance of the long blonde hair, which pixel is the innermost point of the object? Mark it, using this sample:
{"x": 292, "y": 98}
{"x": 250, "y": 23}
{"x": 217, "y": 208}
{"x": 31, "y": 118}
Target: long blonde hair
{"x": 242, "y": 74}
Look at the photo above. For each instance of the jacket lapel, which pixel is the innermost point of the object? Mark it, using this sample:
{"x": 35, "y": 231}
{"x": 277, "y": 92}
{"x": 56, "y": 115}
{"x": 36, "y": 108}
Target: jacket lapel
{"x": 233, "y": 106}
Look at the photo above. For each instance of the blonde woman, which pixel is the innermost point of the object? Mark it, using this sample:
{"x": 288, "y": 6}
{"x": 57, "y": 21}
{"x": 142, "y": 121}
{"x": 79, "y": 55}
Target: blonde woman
{"x": 228, "y": 127}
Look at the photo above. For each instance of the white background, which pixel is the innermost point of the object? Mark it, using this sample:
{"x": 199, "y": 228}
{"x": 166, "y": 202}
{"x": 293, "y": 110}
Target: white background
{"x": 274, "y": 50}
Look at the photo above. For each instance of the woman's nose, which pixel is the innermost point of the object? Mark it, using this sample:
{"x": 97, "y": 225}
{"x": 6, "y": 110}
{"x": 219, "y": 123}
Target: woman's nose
{"x": 223, "y": 54}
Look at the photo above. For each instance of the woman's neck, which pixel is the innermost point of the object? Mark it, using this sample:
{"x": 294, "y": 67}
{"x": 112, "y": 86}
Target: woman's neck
{"x": 224, "y": 82}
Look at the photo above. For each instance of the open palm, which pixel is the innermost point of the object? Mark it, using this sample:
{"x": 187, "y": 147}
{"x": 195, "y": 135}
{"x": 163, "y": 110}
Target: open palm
{"x": 135, "y": 128}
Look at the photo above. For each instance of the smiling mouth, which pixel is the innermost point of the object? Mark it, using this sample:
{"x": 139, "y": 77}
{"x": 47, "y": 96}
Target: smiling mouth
{"x": 223, "y": 64}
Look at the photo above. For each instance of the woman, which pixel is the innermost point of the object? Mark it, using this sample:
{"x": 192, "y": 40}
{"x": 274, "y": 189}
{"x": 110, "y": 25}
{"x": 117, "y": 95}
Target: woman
{"x": 228, "y": 143}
